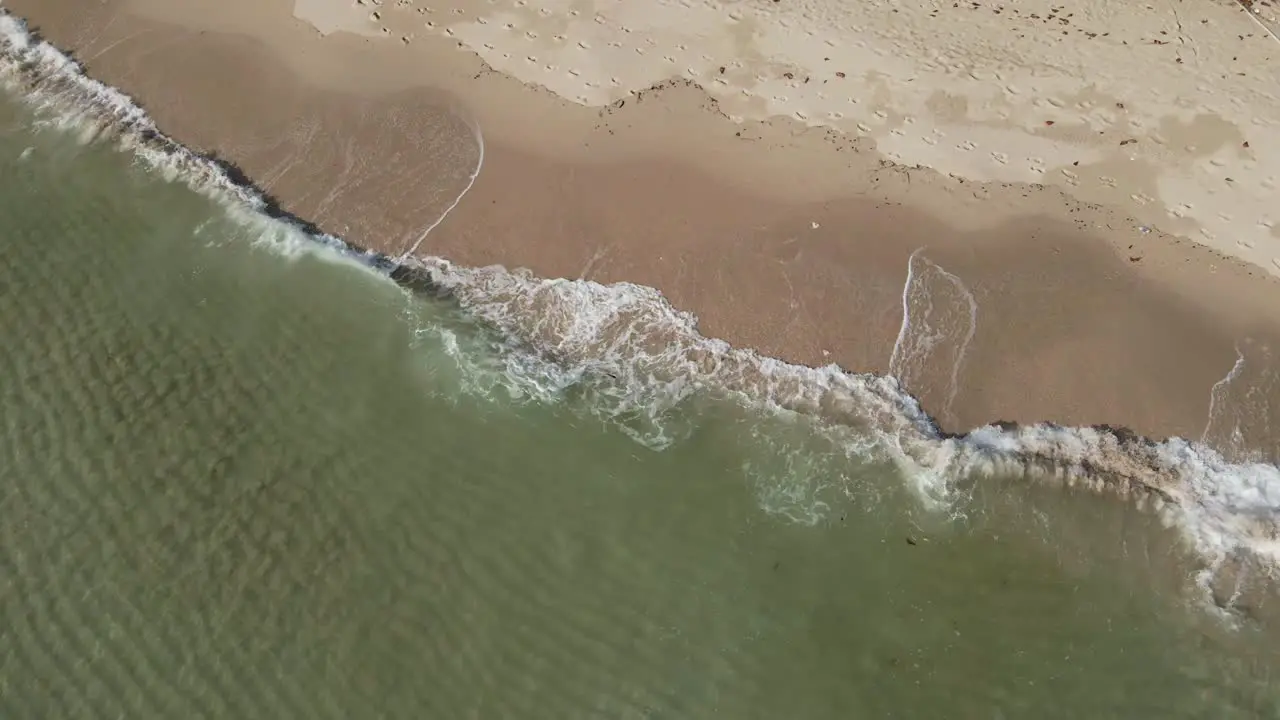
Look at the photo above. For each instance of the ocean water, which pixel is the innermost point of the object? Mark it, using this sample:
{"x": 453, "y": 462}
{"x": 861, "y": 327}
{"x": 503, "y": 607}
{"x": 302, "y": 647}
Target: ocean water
{"x": 244, "y": 474}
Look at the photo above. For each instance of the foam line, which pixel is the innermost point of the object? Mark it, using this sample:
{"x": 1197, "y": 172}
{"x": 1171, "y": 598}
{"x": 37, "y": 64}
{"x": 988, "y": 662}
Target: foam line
{"x": 634, "y": 357}
{"x": 898, "y": 358}
{"x": 968, "y": 338}
{"x": 1218, "y": 387}
{"x": 906, "y": 312}
{"x": 475, "y": 126}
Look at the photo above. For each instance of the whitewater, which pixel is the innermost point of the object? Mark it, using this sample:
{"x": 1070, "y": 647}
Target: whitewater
{"x": 636, "y": 358}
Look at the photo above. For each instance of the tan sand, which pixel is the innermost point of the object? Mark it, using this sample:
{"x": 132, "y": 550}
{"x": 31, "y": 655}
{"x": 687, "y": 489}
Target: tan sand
{"x": 1032, "y": 91}
{"x": 787, "y": 238}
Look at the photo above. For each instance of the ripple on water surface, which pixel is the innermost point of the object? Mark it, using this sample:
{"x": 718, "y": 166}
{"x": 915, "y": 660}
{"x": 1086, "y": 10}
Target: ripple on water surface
{"x": 239, "y": 482}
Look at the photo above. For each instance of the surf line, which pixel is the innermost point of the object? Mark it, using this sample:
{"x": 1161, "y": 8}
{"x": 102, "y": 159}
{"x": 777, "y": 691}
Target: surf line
{"x": 479, "y": 136}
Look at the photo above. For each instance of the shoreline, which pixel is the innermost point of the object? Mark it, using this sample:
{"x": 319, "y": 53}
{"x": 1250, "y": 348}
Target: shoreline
{"x": 1105, "y": 458}
{"x": 1159, "y": 327}
{"x": 1057, "y": 281}
{"x": 781, "y": 256}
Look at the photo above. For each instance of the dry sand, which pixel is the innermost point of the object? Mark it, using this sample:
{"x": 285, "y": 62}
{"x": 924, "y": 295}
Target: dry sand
{"x": 1169, "y": 109}
{"x": 781, "y": 235}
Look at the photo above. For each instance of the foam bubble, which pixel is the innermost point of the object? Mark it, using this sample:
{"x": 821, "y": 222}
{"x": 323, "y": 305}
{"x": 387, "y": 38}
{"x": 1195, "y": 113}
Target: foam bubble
{"x": 633, "y": 358}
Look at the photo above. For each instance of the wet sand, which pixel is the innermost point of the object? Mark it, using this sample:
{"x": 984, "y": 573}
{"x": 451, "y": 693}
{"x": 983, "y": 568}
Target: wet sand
{"x": 790, "y": 240}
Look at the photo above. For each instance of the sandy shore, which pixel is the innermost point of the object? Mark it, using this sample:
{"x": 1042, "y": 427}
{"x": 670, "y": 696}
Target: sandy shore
{"x": 781, "y": 236}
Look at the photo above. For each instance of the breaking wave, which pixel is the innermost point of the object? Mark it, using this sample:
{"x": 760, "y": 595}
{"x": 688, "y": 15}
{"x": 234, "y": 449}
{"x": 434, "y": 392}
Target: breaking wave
{"x": 635, "y": 358}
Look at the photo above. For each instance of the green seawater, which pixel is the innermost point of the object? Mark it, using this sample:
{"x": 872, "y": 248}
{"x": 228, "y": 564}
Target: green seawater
{"x": 243, "y": 480}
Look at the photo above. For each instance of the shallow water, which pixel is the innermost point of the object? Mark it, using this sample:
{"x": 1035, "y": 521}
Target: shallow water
{"x": 242, "y": 478}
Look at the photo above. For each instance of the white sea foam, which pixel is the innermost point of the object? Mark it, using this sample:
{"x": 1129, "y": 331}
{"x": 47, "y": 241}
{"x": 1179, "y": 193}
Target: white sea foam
{"x": 637, "y": 358}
